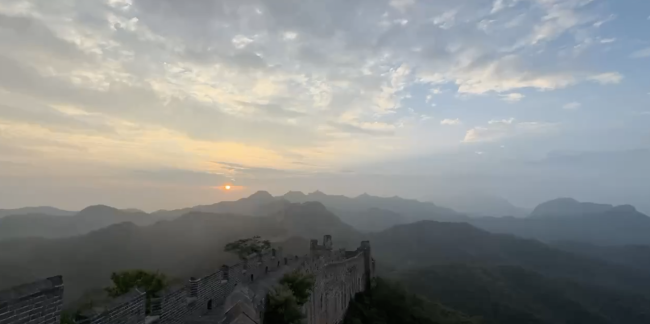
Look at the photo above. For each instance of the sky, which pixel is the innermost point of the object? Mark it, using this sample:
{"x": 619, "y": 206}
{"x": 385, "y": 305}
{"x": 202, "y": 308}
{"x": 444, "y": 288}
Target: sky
{"x": 160, "y": 103}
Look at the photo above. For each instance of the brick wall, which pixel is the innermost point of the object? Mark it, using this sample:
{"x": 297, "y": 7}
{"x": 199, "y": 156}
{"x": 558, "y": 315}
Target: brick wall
{"x": 128, "y": 309}
{"x": 175, "y": 304}
{"x": 339, "y": 276}
{"x": 34, "y": 303}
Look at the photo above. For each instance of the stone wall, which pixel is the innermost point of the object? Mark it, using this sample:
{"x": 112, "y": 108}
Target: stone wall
{"x": 339, "y": 276}
{"x": 336, "y": 284}
{"x": 175, "y": 304}
{"x": 127, "y": 309}
{"x": 233, "y": 294}
{"x": 37, "y": 302}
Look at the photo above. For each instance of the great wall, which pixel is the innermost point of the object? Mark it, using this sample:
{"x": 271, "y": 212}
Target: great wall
{"x": 233, "y": 295}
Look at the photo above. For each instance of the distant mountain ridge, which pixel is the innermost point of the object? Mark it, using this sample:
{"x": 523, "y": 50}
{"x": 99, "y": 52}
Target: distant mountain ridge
{"x": 45, "y": 210}
{"x": 567, "y": 207}
{"x": 190, "y": 245}
{"x": 506, "y": 279}
{"x": 365, "y": 213}
{"x": 89, "y": 219}
{"x": 477, "y": 204}
{"x": 566, "y": 219}
{"x": 370, "y": 213}
{"x": 430, "y": 243}
{"x": 254, "y": 205}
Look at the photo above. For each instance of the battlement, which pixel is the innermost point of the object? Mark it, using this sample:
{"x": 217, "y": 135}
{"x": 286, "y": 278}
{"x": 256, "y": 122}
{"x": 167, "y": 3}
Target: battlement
{"x": 233, "y": 294}
{"x": 36, "y": 302}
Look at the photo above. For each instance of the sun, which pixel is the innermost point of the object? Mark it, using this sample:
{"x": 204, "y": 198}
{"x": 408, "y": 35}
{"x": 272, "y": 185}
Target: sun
{"x": 227, "y": 187}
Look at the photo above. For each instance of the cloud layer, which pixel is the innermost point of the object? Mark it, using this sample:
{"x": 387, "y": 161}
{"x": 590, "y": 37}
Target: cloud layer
{"x": 299, "y": 87}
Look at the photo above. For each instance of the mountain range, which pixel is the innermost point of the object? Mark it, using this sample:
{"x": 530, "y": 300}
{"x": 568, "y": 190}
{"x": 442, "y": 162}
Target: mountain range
{"x": 477, "y": 204}
{"x": 563, "y": 219}
{"x": 43, "y": 210}
{"x": 569, "y": 220}
{"x": 505, "y": 279}
{"x": 500, "y": 278}
{"x": 49, "y": 226}
{"x": 190, "y": 245}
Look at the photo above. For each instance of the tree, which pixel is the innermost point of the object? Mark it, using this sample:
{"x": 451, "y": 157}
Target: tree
{"x": 248, "y": 246}
{"x": 301, "y": 284}
{"x": 151, "y": 282}
{"x": 389, "y": 303}
{"x": 283, "y": 304}
{"x": 282, "y": 307}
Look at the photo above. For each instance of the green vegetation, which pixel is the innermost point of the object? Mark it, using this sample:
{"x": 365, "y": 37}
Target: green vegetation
{"x": 150, "y": 282}
{"x": 300, "y": 284}
{"x": 282, "y": 307}
{"x": 283, "y": 304}
{"x": 123, "y": 282}
{"x": 248, "y": 246}
{"x": 514, "y": 295}
{"x": 390, "y": 303}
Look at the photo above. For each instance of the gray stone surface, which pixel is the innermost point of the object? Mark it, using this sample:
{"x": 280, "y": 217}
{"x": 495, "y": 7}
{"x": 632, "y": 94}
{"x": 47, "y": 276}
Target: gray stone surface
{"x": 33, "y": 303}
{"x": 233, "y": 295}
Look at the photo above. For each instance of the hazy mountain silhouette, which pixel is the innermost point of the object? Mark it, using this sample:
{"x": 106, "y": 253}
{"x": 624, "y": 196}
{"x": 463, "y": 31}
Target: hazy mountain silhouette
{"x": 254, "y": 205}
{"x": 568, "y": 220}
{"x": 186, "y": 246}
{"x": 477, "y": 204}
{"x": 313, "y": 220}
{"x": 633, "y": 256}
{"x": 372, "y": 219}
{"x": 430, "y": 243}
{"x": 190, "y": 245}
{"x": 515, "y": 295}
{"x": 567, "y": 207}
{"x": 43, "y": 210}
{"x": 89, "y": 219}
{"x": 371, "y": 213}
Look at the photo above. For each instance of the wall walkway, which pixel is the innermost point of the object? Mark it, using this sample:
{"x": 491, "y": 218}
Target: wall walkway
{"x": 233, "y": 295}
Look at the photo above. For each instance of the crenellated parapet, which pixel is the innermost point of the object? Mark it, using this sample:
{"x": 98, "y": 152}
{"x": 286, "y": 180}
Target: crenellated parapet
{"x": 233, "y": 294}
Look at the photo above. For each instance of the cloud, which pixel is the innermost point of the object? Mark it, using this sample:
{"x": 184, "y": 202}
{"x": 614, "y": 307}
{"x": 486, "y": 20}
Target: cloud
{"x": 601, "y": 22}
{"x": 180, "y": 177}
{"x": 500, "y": 129}
{"x": 375, "y": 129}
{"x": 607, "y": 40}
{"x": 643, "y": 53}
{"x": 508, "y": 121}
{"x": 607, "y": 78}
{"x": 450, "y": 122}
{"x": 513, "y": 97}
{"x": 173, "y": 85}
{"x": 572, "y": 106}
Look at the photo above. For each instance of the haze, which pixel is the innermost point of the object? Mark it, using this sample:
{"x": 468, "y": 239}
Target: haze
{"x": 159, "y": 103}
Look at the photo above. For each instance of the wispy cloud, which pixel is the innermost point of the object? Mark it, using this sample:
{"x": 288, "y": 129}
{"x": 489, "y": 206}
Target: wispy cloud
{"x": 642, "y": 53}
{"x": 513, "y": 97}
{"x": 500, "y": 129}
{"x": 607, "y": 78}
{"x": 171, "y": 85}
{"x": 572, "y": 105}
{"x": 450, "y": 122}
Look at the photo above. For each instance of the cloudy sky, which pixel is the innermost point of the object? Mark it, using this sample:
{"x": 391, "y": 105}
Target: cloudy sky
{"x": 159, "y": 103}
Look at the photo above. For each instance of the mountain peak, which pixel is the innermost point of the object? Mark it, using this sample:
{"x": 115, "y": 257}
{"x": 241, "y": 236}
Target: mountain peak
{"x": 295, "y": 193}
{"x": 92, "y": 210}
{"x": 568, "y": 207}
{"x": 624, "y": 209}
{"x": 261, "y": 195}
{"x": 295, "y": 196}
{"x": 317, "y": 193}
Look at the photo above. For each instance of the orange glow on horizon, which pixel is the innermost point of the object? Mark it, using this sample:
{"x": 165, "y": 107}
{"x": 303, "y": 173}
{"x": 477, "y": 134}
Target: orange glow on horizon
{"x": 227, "y": 187}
